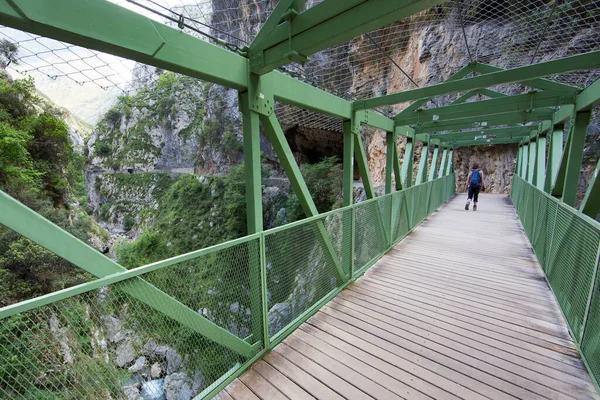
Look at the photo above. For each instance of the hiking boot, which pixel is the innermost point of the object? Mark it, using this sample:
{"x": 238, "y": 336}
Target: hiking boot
{"x": 474, "y": 208}
{"x": 467, "y": 206}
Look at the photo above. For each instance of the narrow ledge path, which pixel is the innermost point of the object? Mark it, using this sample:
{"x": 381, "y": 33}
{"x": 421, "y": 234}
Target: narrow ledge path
{"x": 459, "y": 309}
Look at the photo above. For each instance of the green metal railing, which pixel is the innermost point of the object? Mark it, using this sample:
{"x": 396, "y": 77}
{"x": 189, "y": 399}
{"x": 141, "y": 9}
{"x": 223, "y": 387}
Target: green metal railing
{"x": 567, "y": 245}
{"x": 87, "y": 341}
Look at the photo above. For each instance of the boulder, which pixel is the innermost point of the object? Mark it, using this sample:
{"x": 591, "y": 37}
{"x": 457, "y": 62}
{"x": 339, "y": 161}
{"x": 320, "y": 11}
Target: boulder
{"x": 178, "y": 386}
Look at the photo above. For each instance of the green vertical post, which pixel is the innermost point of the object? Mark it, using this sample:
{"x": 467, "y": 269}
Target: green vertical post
{"x": 573, "y": 167}
{"x": 434, "y": 162}
{"x": 348, "y": 231}
{"x": 407, "y": 165}
{"x": 539, "y": 174}
{"x": 444, "y": 162}
{"x": 254, "y": 216}
{"x": 525, "y": 161}
{"x": 554, "y": 156}
{"x": 531, "y": 161}
{"x": 389, "y": 161}
{"x": 422, "y": 171}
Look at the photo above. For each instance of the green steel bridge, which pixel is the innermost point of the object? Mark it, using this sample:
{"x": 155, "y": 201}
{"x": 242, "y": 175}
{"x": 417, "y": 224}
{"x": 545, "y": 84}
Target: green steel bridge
{"x": 391, "y": 300}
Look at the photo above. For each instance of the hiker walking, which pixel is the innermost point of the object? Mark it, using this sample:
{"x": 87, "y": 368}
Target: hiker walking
{"x": 474, "y": 185}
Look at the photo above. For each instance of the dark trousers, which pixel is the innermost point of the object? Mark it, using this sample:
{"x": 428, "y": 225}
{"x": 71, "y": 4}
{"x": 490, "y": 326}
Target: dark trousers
{"x": 474, "y": 192}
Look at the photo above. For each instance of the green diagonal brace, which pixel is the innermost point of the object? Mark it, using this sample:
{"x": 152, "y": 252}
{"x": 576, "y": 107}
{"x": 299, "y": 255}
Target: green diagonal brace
{"x": 443, "y": 164}
{"x": 422, "y": 171}
{"x": 33, "y": 226}
{"x": 363, "y": 166}
{"x": 389, "y": 160}
{"x": 434, "y": 163}
{"x": 554, "y": 156}
{"x": 407, "y": 164}
{"x": 590, "y": 205}
{"x": 531, "y": 160}
{"x": 286, "y": 158}
{"x": 573, "y": 167}
{"x": 464, "y": 71}
{"x": 539, "y": 173}
{"x": 397, "y": 168}
{"x": 558, "y": 183}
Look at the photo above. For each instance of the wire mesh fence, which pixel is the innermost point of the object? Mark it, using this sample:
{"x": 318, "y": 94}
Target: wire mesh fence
{"x": 566, "y": 244}
{"x": 146, "y": 334}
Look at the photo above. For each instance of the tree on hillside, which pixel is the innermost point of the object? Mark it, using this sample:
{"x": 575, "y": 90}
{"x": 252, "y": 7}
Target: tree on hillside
{"x": 8, "y": 53}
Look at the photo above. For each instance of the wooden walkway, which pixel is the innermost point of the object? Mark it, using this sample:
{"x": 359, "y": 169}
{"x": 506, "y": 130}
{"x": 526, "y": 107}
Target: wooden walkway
{"x": 459, "y": 309}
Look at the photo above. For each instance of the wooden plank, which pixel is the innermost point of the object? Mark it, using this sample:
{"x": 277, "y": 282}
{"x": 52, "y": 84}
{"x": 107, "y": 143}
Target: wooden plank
{"x": 444, "y": 377}
{"x": 539, "y": 351}
{"x": 376, "y": 375}
{"x": 493, "y": 361}
{"x": 261, "y": 386}
{"x": 300, "y": 377}
{"x": 239, "y": 391}
{"x": 457, "y": 370}
{"x": 402, "y": 382}
{"x": 495, "y": 328}
{"x": 223, "y": 395}
{"x": 332, "y": 381}
{"x": 281, "y": 382}
{"x": 368, "y": 386}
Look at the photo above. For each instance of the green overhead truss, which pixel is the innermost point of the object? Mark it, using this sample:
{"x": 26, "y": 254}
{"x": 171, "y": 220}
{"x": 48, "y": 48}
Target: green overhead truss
{"x": 349, "y": 240}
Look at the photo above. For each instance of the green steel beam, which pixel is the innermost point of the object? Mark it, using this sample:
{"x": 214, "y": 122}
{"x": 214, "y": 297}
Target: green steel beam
{"x": 374, "y": 120}
{"x": 539, "y": 172}
{"x": 554, "y": 156}
{"x": 480, "y": 133}
{"x": 128, "y": 35}
{"x": 33, "y": 226}
{"x": 543, "y": 84}
{"x": 422, "y": 171}
{"x": 407, "y": 164}
{"x": 142, "y": 39}
{"x": 588, "y": 98}
{"x": 563, "y": 114}
{"x": 532, "y": 160}
{"x": 525, "y": 161}
{"x": 573, "y": 167}
{"x": 464, "y": 71}
{"x": 363, "y": 166}
{"x": 485, "y": 92}
{"x": 443, "y": 163}
{"x": 327, "y": 24}
{"x": 590, "y": 205}
{"x": 286, "y": 158}
{"x": 521, "y": 74}
{"x": 275, "y": 18}
{"x": 434, "y": 163}
{"x": 480, "y": 143}
{"x": 520, "y": 117}
{"x": 510, "y": 104}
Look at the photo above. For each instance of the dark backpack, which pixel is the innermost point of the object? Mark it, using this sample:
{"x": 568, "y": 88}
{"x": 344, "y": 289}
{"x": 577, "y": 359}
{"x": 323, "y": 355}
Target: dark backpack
{"x": 475, "y": 177}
